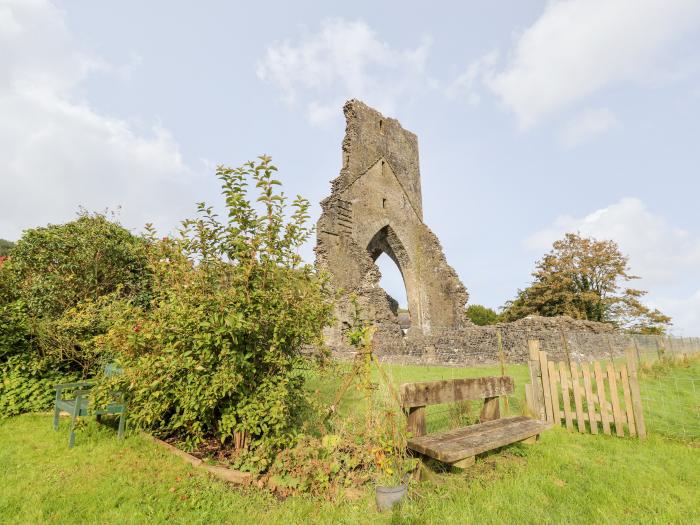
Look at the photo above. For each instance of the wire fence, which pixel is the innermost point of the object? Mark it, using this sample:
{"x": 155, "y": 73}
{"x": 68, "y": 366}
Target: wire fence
{"x": 670, "y": 390}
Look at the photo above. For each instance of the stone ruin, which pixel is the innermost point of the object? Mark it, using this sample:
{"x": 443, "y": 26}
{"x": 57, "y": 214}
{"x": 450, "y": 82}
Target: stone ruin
{"x": 376, "y": 207}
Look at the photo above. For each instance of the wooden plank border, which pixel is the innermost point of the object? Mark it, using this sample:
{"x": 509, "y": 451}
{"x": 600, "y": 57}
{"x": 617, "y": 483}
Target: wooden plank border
{"x": 600, "y": 388}
{"x": 577, "y": 398}
{"x": 590, "y": 399}
{"x": 226, "y": 474}
{"x": 546, "y": 387}
{"x": 566, "y": 402}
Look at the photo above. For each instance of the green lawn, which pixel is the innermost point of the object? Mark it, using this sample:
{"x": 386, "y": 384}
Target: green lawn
{"x": 568, "y": 478}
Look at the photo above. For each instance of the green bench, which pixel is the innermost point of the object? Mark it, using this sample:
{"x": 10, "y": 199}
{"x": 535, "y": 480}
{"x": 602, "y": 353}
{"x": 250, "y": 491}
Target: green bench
{"x": 73, "y": 398}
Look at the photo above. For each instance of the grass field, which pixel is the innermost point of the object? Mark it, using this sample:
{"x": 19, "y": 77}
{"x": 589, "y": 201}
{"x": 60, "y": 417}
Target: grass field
{"x": 565, "y": 478}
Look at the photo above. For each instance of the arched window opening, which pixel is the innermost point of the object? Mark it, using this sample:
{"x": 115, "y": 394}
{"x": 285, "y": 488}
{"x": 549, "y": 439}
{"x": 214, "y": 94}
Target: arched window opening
{"x": 393, "y": 285}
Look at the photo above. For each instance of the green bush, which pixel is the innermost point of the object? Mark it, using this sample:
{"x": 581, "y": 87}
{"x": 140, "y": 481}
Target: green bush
{"x": 321, "y": 467}
{"x": 27, "y": 384}
{"x": 56, "y": 289}
{"x": 217, "y": 352}
{"x": 15, "y": 337}
{"x": 54, "y": 268}
{"x": 57, "y": 293}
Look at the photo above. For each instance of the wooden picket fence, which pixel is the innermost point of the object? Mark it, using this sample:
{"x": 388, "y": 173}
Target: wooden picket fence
{"x": 608, "y": 394}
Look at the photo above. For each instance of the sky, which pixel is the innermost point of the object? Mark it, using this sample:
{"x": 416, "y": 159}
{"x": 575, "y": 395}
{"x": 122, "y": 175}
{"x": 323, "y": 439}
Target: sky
{"x": 534, "y": 118}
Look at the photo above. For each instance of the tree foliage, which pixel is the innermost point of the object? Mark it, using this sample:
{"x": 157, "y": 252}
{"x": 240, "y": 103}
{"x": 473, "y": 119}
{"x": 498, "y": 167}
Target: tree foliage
{"x": 584, "y": 278}
{"x": 481, "y": 315}
{"x": 5, "y": 247}
{"x": 217, "y": 351}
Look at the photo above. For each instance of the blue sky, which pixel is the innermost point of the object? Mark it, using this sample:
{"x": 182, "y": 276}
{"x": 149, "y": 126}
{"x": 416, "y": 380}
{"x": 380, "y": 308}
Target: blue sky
{"x": 533, "y": 118}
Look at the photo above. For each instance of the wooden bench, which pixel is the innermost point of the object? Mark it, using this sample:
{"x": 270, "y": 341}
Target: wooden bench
{"x": 458, "y": 447}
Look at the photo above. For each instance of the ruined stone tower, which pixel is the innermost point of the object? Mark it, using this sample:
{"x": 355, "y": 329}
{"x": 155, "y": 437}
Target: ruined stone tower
{"x": 376, "y": 207}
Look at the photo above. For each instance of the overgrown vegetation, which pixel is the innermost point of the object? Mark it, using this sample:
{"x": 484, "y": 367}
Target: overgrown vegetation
{"x": 207, "y": 328}
{"x": 584, "y": 278}
{"x": 55, "y": 295}
{"x": 367, "y": 445}
{"x": 217, "y": 351}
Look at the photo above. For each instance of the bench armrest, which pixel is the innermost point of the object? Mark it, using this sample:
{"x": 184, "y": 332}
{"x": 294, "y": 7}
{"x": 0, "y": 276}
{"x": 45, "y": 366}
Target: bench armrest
{"x": 71, "y": 390}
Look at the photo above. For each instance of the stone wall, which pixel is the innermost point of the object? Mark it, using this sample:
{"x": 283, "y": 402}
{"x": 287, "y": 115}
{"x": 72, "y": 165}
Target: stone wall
{"x": 562, "y": 337}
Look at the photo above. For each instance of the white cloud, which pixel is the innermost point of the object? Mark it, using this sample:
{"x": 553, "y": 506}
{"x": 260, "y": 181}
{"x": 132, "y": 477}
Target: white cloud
{"x": 577, "y": 47}
{"x": 344, "y": 60}
{"x": 57, "y": 152}
{"x": 666, "y": 257}
{"x": 467, "y": 84}
{"x": 585, "y": 126}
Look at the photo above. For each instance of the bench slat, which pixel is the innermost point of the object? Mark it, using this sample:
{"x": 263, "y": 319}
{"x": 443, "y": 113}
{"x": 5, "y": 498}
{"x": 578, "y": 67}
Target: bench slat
{"x": 454, "y": 445}
{"x": 67, "y": 405}
{"x": 450, "y": 391}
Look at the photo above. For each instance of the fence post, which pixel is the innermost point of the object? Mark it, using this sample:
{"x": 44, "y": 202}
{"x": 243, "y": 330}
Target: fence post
{"x": 566, "y": 349}
{"x": 636, "y": 348}
{"x": 502, "y": 358}
{"x": 546, "y": 387}
{"x": 636, "y": 395}
{"x": 536, "y": 401}
{"x": 670, "y": 347}
{"x": 658, "y": 347}
{"x": 610, "y": 349}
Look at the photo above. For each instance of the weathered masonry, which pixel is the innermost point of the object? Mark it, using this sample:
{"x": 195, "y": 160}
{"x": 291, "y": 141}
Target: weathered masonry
{"x": 376, "y": 207}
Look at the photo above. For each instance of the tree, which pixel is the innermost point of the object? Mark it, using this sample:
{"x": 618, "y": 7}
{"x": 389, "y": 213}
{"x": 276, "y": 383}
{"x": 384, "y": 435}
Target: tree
{"x": 582, "y": 278}
{"x": 481, "y": 315}
{"x": 5, "y": 247}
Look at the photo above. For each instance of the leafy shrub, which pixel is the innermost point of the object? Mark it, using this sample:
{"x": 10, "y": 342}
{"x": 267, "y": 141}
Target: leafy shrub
{"x": 15, "y": 337}
{"x": 55, "y": 267}
{"x": 217, "y": 351}
{"x": 321, "y": 467}
{"x": 58, "y": 291}
{"x": 57, "y": 288}
{"x": 27, "y": 384}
